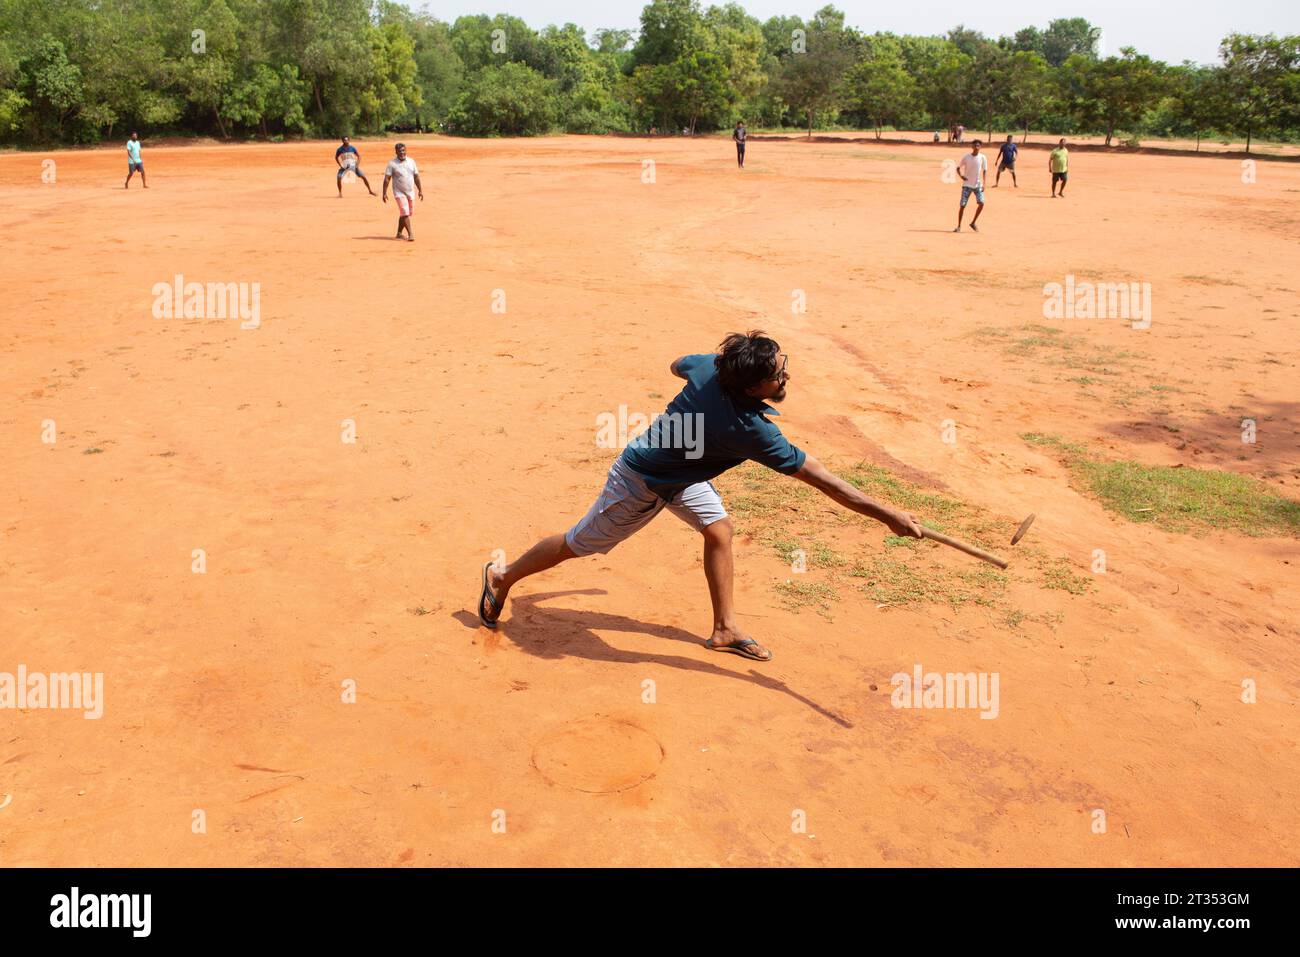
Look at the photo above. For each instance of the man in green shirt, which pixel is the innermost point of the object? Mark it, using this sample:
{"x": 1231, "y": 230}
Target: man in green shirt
{"x": 1059, "y": 164}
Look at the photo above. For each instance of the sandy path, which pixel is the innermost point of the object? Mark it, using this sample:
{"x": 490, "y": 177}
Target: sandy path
{"x": 329, "y": 562}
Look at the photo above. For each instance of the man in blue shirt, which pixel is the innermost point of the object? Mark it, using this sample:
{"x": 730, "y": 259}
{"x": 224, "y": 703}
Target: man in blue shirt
{"x": 349, "y": 160}
{"x": 719, "y": 420}
{"x": 1007, "y": 161}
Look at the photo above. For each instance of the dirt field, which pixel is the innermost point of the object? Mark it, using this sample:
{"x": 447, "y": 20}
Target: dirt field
{"x": 330, "y": 563}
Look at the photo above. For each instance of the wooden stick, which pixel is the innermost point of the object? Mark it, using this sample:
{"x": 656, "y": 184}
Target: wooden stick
{"x": 963, "y": 547}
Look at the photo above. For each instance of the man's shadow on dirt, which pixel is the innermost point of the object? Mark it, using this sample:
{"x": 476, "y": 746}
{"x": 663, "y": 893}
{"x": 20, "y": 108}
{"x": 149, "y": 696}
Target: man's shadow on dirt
{"x": 565, "y": 633}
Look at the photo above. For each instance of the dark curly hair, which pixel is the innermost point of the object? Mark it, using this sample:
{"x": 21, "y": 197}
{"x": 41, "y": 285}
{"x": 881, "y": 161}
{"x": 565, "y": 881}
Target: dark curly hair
{"x": 744, "y": 360}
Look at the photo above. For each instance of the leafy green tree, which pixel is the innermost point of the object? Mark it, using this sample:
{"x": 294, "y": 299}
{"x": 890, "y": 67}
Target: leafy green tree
{"x": 208, "y": 78}
{"x": 328, "y": 41}
{"x": 390, "y": 90}
{"x": 1028, "y": 40}
{"x": 670, "y": 29}
{"x": 12, "y": 103}
{"x": 681, "y": 94}
{"x": 584, "y": 85}
{"x": 482, "y": 41}
{"x": 779, "y": 36}
{"x": 880, "y": 83}
{"x": 1111, "y": 94}
{"x": 814, "y": 81}
{"x": 700, "y": 85}
{"x": 983, "y": 86}
{"x": 1024, "y": 88}
{"x": 79, "y": 70}
{"x": 738, "y": 39}
{"x": 508, "y": 100}
{"x": 944, "y": 89}
{"x": 612, "y": 41}
{"x": 1255, "y": 80}
{"x": 689, "y": 69}
{"x": 439, "y": 72}
{"x": 285, "y": 100}
{"x": 970, "y": 42}
{"x": 1193, "y": 104}
{"x": 1065, "y": 38}
{"x": 1290, "y": 89}
{"x": 55, "y": 84}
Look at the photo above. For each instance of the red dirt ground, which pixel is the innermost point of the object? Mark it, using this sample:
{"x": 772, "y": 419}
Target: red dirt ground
{"x": 330, "y": 562}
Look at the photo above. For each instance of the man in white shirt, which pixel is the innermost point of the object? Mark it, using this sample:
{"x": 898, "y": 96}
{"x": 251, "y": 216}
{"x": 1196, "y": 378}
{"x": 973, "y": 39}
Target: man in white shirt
{"x": 405, "y": 177}
{"x": 973, "y": 167}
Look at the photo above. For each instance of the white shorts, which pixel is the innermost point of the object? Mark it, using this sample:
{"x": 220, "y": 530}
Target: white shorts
{"x": 626, "y": 505}
{"x": 405, "y": 203}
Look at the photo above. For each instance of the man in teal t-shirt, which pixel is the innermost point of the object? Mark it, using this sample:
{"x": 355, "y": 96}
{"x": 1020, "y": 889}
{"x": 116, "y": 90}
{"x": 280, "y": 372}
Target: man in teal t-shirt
{"x": 719, "y": 420}
{"x": 133, "y": 161}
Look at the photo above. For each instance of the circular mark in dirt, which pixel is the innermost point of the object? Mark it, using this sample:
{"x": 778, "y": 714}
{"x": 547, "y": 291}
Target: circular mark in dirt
{"x": 598, "y": 755}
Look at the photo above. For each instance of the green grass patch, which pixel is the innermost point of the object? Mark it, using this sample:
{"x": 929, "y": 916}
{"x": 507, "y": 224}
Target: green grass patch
{"x": 990, "y": 332}
{"x": 1051, "y": 346}
{"x": 1178, "y": 499}
{"x": 816, "y": 554}
{"x": 1059, "y": 575}
{"x": 789, "y": 518}
{"x": 895, "y": 581}
{"x": 1054, "y": 442}
{"x": 797, "y": 595}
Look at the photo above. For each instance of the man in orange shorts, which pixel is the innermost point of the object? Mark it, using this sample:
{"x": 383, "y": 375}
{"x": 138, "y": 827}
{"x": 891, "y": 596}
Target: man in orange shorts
{"x": 405, "y": 177}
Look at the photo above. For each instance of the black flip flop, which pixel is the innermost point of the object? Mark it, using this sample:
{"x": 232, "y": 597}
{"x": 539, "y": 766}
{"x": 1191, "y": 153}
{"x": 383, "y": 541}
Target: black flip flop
{"x": 739, "y": 648}
{"x": 486, "y": 597}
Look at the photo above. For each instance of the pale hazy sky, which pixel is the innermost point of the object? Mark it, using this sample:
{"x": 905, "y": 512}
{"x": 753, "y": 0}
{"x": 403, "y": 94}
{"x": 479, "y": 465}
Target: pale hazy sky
{"x": 1163, "y": 29}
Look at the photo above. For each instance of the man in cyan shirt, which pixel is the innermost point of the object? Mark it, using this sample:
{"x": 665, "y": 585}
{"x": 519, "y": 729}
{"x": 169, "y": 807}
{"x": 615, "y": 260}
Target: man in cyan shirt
{"x": 719, "y": 420}
{"x": 133, "y": 162}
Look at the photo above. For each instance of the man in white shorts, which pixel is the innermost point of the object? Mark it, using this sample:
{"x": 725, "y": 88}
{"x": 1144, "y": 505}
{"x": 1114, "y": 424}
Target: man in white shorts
{"x": 719, "y": 420}
{"x": 349, "y": 161}
{"x": 974, "y": 167}
{"x": 405, "y": 177}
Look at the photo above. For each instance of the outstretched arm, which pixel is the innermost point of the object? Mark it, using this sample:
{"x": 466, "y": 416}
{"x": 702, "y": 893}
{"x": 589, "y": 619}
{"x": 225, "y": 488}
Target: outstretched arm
{"x": 835, "y": 488}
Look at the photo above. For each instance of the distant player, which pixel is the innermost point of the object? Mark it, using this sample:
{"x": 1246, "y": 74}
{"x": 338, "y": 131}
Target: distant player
{"x": 1007, "y": 161}
{"x": 739, "y": 134}
{"x": 133, "y": 161}
{"x": 405, "y": 177}
{"x": 349, "y": 160}
{"x": 974, "y": 167}
{"x": 1058, "y": 162}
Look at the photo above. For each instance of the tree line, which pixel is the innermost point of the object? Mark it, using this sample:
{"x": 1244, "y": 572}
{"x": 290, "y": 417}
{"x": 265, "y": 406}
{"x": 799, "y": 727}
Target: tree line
{"x": 80, "y": 71}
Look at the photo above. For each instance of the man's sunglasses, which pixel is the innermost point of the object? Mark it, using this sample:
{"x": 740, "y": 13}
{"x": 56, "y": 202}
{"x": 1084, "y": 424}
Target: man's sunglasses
{"x": 781, "y": 375}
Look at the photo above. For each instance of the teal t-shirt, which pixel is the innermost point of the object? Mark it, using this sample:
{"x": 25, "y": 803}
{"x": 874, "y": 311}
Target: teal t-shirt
{"x": 704, "y": 432}
{"x": 133, "y": 150}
